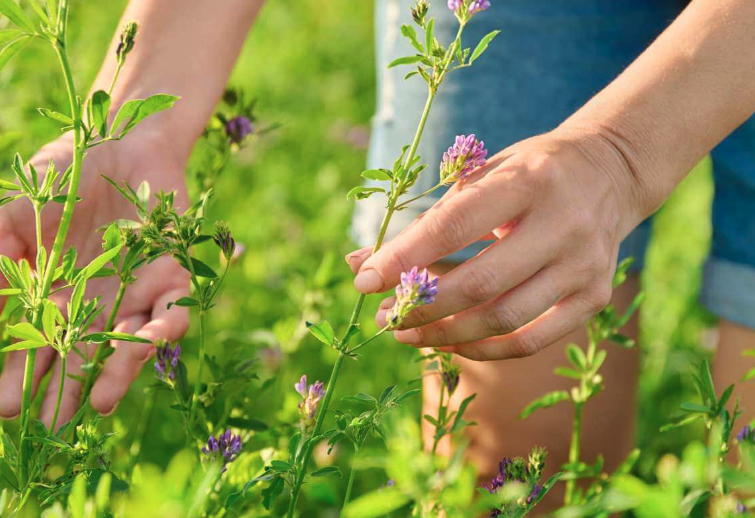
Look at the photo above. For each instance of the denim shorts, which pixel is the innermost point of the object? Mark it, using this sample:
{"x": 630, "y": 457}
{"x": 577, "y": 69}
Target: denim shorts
{"x": 549, "y": 59}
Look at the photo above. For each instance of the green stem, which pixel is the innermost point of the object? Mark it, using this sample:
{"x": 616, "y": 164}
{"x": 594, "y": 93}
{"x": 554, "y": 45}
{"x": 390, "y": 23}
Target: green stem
{"x": 411, "y": 200}
{"x": 392, "y": 200}
{"x": 437, "y": 437}
{"x": 63, "y": 361}
{"x": 198, "y": 382}
{"x": 352, "y": 476}
{"x": 60, "y": 237}
{"x": 357, "y": 347}
{"x": 97, "y": 358}
{"x": 574, "y": 450}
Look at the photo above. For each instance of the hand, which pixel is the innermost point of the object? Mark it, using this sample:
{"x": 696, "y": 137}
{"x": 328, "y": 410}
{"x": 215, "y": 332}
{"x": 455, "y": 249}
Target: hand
{"x": 557, "y": 206}
{"x": 139, "y": 157}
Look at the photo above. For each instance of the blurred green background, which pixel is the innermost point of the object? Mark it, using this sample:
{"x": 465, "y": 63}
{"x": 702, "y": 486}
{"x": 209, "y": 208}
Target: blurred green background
{"x": 311, "y": 67}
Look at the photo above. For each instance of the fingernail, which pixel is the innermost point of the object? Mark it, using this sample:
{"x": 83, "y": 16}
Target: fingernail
{"x": 368, "y": 281}
{"x": 354, "y": 257}
{"x": 380, "y": 317}
{"x": 408, "y": 336}
{"x": 111, "y": 411}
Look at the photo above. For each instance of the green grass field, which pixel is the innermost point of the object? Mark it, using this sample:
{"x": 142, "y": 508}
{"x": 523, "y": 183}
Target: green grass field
{"x": 311, "y": 67}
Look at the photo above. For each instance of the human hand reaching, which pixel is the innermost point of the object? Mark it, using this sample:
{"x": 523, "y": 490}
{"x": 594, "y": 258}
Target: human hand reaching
{"x": 143, "y": 155}
{"x": 557, "y": 207}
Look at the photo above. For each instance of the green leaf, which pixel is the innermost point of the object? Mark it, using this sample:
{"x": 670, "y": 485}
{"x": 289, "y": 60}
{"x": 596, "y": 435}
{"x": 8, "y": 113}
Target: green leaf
{"x": 50, "y": 316}
{"x": 567, "y": 373}
{"x": 10, "y": 9}
{"x": 100, "y": 106}
{"x": 202, "y": 270}
{"x": 12, "y": 48}
{"x": 377, "y": 174}
{"x": 545, "y": 401}
{"x": 135, "y": 111}
{"x": 458, "y": 421}
{"x": 9, "y": 186}
{"x": 360, "y": 398}
{"x": 26, "y": 331}
{"x": 97, "y": 263}
{"x": 113, "y": 335}
{"x": 56, "y": 116}
{"x": 576, "y": 356}
{"x": 482, "y": 46}
{"x": 323, "y": 332}
{"x": 327, "y": 471}
{"x": 76, "y": 299}
{"x": 406, "y": 60}
{"x": 409, "y": 32}
{"x": 8, "y": 292}
{"x": 694, "y": 407}
{"x": 185, "y": 302}
{"x": 430, "y": 36}
{"x": 24, "y": 346}
{"x": 362, "y": 192}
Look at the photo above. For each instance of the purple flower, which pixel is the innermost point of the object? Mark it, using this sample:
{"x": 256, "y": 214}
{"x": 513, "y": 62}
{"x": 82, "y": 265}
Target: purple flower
{"x": 451, "y": 381}
{"x": 500, "y": 479}
{"x": 225, "y": 448}
{"x": 464, "y": 9}
{"x": 312, "y": 395}
{"x": 224, "y": 239}
{"x": 416, "y": 289}
{"x": 741, "y": 508}
{"x": 746, "y": 434}
{"x": 536, "y": 489}
{"x": 462, "y": 158}
{"x": 238, "y": 128}
{"x": 167, "y": 361}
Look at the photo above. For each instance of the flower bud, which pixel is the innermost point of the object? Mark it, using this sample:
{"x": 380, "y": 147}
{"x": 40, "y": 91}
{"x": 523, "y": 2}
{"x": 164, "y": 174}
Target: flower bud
{"x": 167, "y": 362}
{"x": 466, "y": 155}
{"x": 419, "y": 12}
{"x": 126, "y": 45}
{"x": 238, "y": 128}
{"x": 312, "y": 395}
{"x": 224, "y": 240}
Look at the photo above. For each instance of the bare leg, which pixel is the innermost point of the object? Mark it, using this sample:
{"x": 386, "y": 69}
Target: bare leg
{"x": 504, "y": 388}
{"x": 730, "y": 365}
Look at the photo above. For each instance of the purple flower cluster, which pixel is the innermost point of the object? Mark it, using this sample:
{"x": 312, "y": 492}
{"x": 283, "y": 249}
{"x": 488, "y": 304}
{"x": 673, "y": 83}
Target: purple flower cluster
{"x": 746, "y": 434}
{"x": 416, "y": 289}
{"x": 312, "y": 395}
{"x": 167, "y": 361}
{"x": 225, "y": 448}
{"x": 516, "y": 470}
{"x": 462, "y": 158}
{"x": 464, "y": 9}
{"x": 741, "y": 508}
{"x": 238, "y": 128}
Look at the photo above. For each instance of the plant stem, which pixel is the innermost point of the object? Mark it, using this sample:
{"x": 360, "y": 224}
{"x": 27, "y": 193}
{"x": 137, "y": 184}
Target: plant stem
{"x": 63, "y": 361}
{"x": 198, "y": 382}
{"x": 574, "y": 449}
{"x": 352, "y": 476}
{"x": 60, "y": 237}
{"x": 437, "y": 437}
{"x": 410, "y": 200}
{"x": 97, "y": 358}
{"x": 390, "y": 209}
{"x": 357, "y": 347}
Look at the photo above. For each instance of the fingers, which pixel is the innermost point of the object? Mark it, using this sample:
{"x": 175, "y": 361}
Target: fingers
{"x": 123, "y": 367}
{"x": 497, "y": 269}
{"x": 453, "y": 223}
{"x": 506, "y": 314}
{"x": 559, "y": 321}
{"x": 12, "y": 379}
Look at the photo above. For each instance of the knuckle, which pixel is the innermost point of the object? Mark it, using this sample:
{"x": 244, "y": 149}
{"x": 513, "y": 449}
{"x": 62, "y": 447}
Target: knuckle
{"x": 449, "y": 228}
{"x": 503, "y": 319}
{"x": 478, "y": 285}
{"x": 599, "y": 298}
{"x": 436, "y": 334}
{"x": 525, "y": 345}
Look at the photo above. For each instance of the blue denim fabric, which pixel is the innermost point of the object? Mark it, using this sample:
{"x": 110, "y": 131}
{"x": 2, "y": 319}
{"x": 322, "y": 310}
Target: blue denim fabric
{"x": 549, "y": 59}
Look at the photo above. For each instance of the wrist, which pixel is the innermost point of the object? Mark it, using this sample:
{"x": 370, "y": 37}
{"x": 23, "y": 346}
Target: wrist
{"x": 624, "y": 166}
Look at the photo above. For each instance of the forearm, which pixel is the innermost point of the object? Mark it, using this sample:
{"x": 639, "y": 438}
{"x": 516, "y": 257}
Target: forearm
{"x": 691, "y": 88}
{"x": 185, "y": 48}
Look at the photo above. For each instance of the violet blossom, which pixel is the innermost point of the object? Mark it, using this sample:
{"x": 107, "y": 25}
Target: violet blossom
{"x": 312, "y": 395}
{"x": 167, "y": 361}
{"x": 466, "y": 155}
{"x": 225, "y": 448}
{"x": 416, "y": 289}
{"x": 238, "y": 128}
